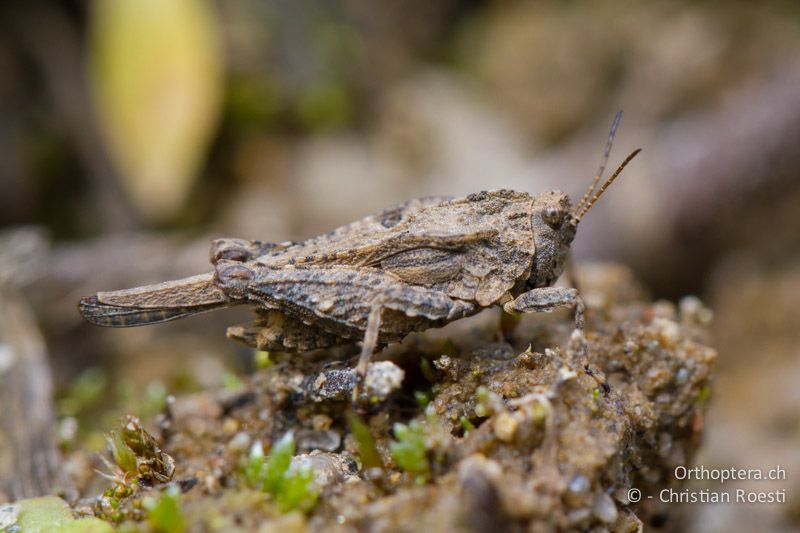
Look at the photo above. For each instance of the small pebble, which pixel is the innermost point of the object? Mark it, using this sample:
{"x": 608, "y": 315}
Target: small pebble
{"x": 505, "y": 426}
{"x": 692, "y": 309}
{"x": 8, "y": 516}
{"x": 577, "y": 491}
{"x": 604, "y": 508}
{"x": 443, "y": 363}
{"x": 7, "y": 357}
{"x": 239, "y": 442}
{"x": 383, "y": 378}
{"x": 321, "y": 422}
{"x": 667, "y": 329}
{"x": 230, "y": 426}
{"x": 326, "y": 440}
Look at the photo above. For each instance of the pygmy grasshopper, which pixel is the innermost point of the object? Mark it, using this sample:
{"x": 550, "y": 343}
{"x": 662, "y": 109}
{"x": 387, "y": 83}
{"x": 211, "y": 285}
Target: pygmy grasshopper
{"x": 410, "y": 267}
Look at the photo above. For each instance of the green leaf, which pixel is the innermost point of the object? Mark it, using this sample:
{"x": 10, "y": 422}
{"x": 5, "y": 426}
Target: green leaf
{"x": 291, "y": 488}
{"x": 254, "y": 467}
{"x": 297, "y": 491}
{"x": 280, "y": 457}
{"x": 50, "y": 514}
{"x": 122, "y": 453}
{"x": 410, "y": 451}
{"x": 156, "y": 70}
{"x": 367, "y": 451}
{"x": 164, "y": 514}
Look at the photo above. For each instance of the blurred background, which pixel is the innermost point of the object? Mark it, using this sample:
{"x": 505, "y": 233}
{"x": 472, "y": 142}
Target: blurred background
{"x": 134, "y": 131}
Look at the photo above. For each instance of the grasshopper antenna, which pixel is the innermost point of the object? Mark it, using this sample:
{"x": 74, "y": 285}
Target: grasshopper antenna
{"x": 603, "y": 161}
{"x": 608, "y": 182}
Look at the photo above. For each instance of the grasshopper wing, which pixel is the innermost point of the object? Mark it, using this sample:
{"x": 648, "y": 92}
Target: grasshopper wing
{"x": 474, "y": 248}
{"x": 154, "y": 303}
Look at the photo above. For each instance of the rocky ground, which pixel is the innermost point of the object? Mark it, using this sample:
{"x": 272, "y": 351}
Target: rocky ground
{"x": 495, "y": 422}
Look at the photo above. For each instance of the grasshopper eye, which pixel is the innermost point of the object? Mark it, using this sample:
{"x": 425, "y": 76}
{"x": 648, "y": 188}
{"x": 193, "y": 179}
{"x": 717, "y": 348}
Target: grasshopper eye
{"x": 553, "y": 217}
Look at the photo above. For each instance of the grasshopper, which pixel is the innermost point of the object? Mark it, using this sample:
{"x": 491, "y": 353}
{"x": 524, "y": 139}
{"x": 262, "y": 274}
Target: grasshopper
{"x": 414, "y": 266}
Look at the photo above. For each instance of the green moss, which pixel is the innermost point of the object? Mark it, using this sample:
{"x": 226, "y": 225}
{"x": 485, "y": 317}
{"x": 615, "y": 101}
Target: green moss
{"x": 482, "y": 404}
{"x": 539, "y": 413}
{"x": 261, "y": 360}
{"x": 86, "y": 525}
{"x": 291, "y": 489}
{"x": 164, "y": 513}
{"x": 155, "y": 399}
{"x": 324, "y": 105}
{"x": 84, "y": 392}
{"x": 410, "y": 450}
{"x": 122, "y": 454}
{"x": 367, "y": 451}
{"x": 254, "y": 466}
{"x": 296, "y": 491}
{"x": 277, "y": 465}
{"x": 448, "y": 348}
{"x": 466, "y": 424}
{"x": 427, "y": 370}
{"x": 50, "y": 514}
{"x": 422, "y": 398}
{"x": 231, "y": 382}
{"x": 703, "y": 395}
{"x": 252, "y": 102}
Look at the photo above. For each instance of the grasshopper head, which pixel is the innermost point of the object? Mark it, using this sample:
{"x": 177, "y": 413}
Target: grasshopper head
{"x": 554, "y": 228}
{"x": 554, "y": 221}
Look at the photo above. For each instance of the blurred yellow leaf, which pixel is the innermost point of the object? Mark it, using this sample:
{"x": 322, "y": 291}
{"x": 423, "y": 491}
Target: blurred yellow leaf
{"x": 156, "y": 69}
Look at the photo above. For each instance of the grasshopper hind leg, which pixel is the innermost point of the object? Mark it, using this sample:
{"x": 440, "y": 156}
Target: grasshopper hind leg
{"x": 368, "y": 348}
{"x": 151, "y": 304}
{"x": 350, "y": 301}
{"x": 113, "y": 316}
{"x": 274, "y": 331}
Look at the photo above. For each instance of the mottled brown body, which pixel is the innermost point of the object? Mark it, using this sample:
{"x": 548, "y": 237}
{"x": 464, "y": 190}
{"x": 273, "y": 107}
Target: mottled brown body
{"x": 430, "y": 261}
{"x": 411, "y": 267}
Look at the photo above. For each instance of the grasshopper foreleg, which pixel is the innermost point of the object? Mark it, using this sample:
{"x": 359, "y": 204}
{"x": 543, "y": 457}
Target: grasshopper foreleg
{"x": 547, "y": 299}
{"x": 349, "y": 302}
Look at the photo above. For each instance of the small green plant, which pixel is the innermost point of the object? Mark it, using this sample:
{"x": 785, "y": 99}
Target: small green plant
{"x": 261, "y": 360}
{"x": 483, "y": 406}
{"x": 164, "y": 513}
{"x": 296, "y": 491}
{"x": 231, "y": 382}
{"x": 410, "y": 451}
{"x": 122, "y": 454}
{"x": 85, "y": 392}
{"x": 508, "y": 322}
{"x": 50, "y": 514}
{"x": 422, "y": 398}
{"x": 466, "y": 425}
{"x": 703, "y": 395}
{"x": 427, "y": 370}
{"x": 367, "y": 451}
{"x": 291, "y": 488}
{"x": 136, "y": 460}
